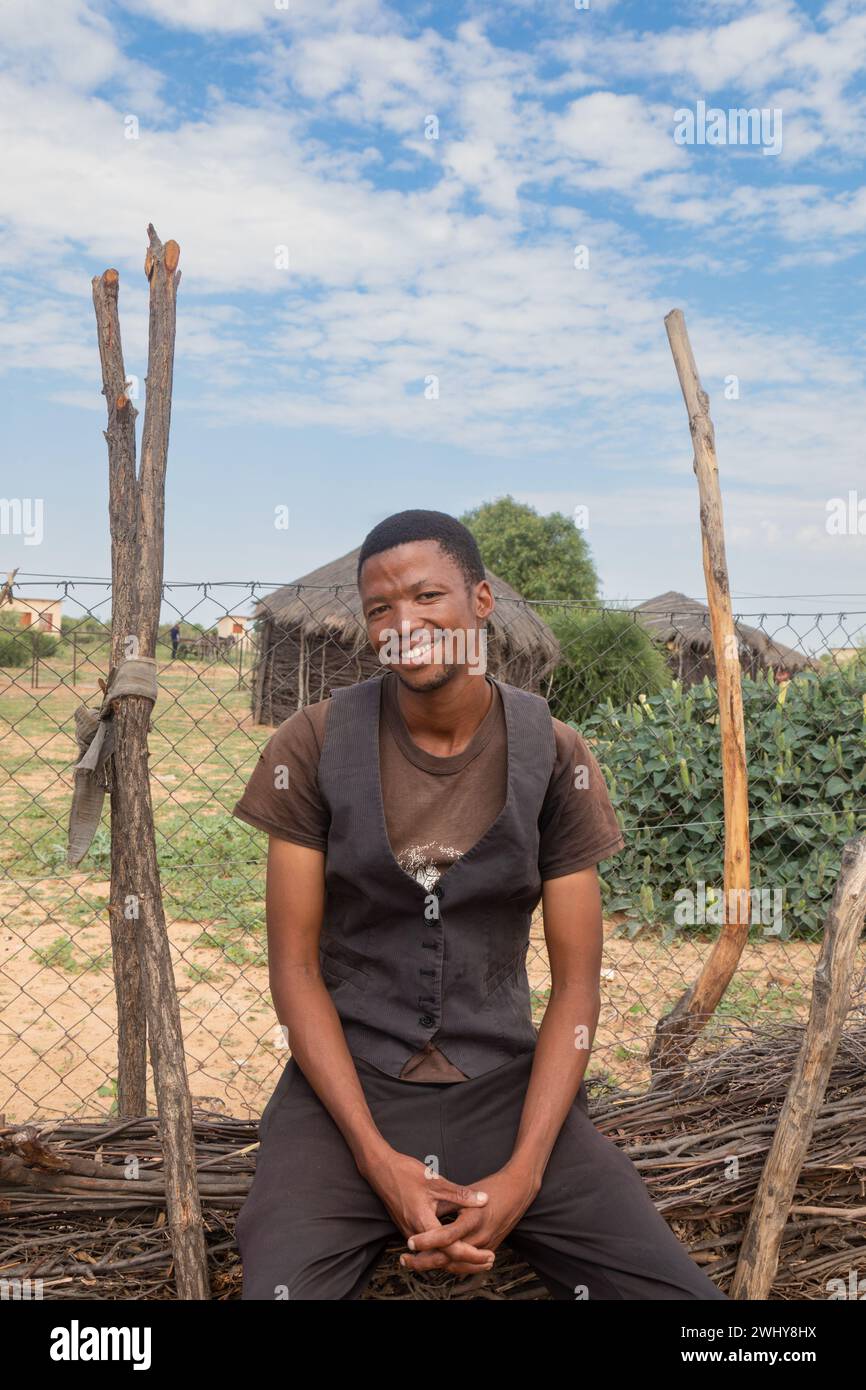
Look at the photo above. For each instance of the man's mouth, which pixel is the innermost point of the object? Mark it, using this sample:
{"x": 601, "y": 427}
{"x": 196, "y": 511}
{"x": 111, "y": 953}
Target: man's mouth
{"x": 420, "y": 651}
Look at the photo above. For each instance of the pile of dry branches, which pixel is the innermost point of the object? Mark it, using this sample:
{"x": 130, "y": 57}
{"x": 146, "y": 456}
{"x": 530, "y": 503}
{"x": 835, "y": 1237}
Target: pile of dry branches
{"x": 700, "y": 1139}
{"x": 82, "y": 1204}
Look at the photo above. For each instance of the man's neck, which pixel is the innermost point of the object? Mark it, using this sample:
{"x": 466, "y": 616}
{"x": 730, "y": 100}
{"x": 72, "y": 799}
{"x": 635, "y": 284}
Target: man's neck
{"x": 442, "y": 721}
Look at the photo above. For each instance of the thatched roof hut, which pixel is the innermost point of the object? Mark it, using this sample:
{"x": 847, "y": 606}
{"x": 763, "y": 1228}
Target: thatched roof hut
{"x": 311, "y": 638}
{"x": 683, "y": 625}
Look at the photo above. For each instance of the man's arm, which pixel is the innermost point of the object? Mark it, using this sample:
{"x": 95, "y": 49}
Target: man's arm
{"x": 574, "y": 935}
{"x": 295, "y": 901}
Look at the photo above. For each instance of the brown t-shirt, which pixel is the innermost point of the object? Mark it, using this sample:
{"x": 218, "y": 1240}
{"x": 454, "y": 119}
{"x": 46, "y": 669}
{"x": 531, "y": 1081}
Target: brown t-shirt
{"x": 435, "y": 808}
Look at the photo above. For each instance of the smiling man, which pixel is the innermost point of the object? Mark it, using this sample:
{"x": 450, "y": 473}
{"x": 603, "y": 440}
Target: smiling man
{"x": 415, "y": 821}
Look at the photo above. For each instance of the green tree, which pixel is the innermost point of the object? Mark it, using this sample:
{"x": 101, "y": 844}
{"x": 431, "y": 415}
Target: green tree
{"x": 542, "y": 557}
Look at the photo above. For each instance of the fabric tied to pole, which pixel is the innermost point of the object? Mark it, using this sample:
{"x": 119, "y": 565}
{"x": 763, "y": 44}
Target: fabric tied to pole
{"x": 95, "y": 733}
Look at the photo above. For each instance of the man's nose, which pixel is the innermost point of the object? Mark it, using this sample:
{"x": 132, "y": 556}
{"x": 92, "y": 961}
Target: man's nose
{"x": 404, "y": 611}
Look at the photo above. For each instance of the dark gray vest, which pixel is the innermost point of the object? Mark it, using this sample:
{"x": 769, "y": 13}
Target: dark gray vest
{"x": 404, "y": 963}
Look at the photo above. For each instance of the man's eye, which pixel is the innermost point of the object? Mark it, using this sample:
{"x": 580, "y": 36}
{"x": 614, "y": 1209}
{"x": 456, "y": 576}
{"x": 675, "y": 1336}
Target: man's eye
{"x": 431, "y": 593}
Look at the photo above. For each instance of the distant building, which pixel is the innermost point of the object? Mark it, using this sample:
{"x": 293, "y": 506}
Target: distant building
{"x": 842, "y": 655}
{"x": 43, "y": 614}
{"x": 682, "y": 625}
{"x": 236, "y": 627}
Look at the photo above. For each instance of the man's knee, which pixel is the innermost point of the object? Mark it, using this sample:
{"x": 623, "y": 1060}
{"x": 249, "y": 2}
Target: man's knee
{"x": 285, "y": 1257}
{"x": 277, "y": 1267}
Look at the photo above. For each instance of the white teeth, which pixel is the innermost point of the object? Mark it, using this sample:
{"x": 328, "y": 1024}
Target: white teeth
{"x": 420, "y": 653}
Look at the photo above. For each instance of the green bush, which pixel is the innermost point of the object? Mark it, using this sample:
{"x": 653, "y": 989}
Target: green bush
{"x": 806, "y": 758}
{"x": 606, "y": 655}
{"x": 91, "y": 635}
{"x": 17, "y": 645}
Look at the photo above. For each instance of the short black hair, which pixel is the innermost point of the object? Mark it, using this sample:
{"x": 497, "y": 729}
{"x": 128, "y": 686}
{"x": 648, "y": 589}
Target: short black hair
{"x": 418, "y": 525}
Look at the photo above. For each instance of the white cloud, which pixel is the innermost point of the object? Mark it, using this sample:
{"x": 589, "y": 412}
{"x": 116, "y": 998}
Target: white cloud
{"x": 74, "y": 42}
{"x": 617, "y": 140}
{"x": 271, "y": 17}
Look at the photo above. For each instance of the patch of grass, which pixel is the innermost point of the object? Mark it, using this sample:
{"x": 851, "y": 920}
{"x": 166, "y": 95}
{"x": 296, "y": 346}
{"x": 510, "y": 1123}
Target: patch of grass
{"x": 201, "y": 974}
{"x": 110, "y": 1089}
{"x": 224, "y": 939}
{"x": 539, "y": 999}
{"x": 746, "y": 998}
{"x": 61, "y": 955}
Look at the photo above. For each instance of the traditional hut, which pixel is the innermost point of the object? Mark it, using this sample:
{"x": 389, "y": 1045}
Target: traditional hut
{"x": 683, "y": 625}
{"x": 311, "y": 638}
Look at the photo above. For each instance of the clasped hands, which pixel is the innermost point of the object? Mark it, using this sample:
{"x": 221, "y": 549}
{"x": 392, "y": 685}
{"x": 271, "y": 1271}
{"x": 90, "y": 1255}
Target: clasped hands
{"x": 487, "y": 1211}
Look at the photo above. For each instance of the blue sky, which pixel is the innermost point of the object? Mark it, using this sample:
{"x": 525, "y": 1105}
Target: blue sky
{"x": 411, "y": 258}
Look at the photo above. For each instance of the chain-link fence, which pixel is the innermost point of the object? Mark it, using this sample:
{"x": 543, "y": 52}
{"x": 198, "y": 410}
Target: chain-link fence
{"x": 637, "y": 683}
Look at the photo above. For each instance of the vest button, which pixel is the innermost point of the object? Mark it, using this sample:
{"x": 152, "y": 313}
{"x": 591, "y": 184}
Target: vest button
{"x": 426, "y": 1021}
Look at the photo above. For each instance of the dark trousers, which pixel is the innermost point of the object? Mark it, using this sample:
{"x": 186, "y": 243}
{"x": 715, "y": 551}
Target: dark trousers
{"x": 313, "y": 1228}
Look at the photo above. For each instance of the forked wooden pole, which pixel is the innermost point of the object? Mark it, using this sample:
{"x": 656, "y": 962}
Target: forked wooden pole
{"x": 676, "y": 1032}
{"x": 136, "y": 509}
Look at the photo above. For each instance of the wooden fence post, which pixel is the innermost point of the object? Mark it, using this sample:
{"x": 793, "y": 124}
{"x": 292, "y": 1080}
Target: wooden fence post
{"x": 123, "y": 522}
{"x": 145, "y": 972}
{"x": 831, "y": 994}
{"x": 676, "y": 1032}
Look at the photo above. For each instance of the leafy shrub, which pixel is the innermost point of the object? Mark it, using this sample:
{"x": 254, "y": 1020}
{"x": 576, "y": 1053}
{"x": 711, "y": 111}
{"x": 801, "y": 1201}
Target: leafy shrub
{"x": 606, "y": 655}
{"x": 17, "y": 645}
{"x": 806, "y": 758}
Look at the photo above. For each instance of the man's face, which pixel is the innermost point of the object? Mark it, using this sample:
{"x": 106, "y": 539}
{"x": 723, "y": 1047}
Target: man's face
{"x": 412, "y": 597}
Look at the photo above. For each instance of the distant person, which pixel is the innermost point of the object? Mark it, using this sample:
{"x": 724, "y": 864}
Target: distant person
{"x": 174, "y": 634}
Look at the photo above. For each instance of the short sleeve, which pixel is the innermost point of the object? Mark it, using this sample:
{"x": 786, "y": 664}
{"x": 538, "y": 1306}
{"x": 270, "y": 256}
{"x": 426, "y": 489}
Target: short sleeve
{"x": 282, "y": 796}
{"x": 578, "y": 823}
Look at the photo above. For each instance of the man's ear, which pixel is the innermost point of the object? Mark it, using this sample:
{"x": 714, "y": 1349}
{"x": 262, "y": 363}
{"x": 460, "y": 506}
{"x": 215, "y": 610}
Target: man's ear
{"x": 480, "y": 596}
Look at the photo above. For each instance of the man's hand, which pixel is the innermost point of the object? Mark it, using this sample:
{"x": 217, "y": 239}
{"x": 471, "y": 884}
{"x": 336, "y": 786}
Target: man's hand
{"x": 415, "y": 1201}
{"x": 509, "y": 1193}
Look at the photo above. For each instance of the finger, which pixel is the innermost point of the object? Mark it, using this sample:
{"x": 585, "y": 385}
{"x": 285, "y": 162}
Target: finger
{"x": 465, "y": 1273}
{"x": 434, "y": 1259}
{"x": 439, "y": 1260}
{"x": 439, "y": 1236}
{"x": 451, "y": 1192}
{"x": 459, "y": 1250}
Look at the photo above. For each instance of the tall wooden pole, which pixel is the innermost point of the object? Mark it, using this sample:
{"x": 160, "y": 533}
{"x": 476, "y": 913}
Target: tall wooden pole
{"x": 123, "y": 522}
{"x": 676, "y": 1032}
{"x": 137, "y": 508}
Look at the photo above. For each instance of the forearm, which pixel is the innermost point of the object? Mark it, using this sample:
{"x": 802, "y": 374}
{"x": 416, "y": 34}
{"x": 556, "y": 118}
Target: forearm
{"x": 561, "y": 1057}
{"x": 318, "y": 1044}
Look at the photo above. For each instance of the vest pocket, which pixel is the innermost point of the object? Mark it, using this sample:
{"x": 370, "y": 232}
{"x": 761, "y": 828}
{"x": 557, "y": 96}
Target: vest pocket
{"x": 340, "y": 964}
{"x": 500, "y": 973}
